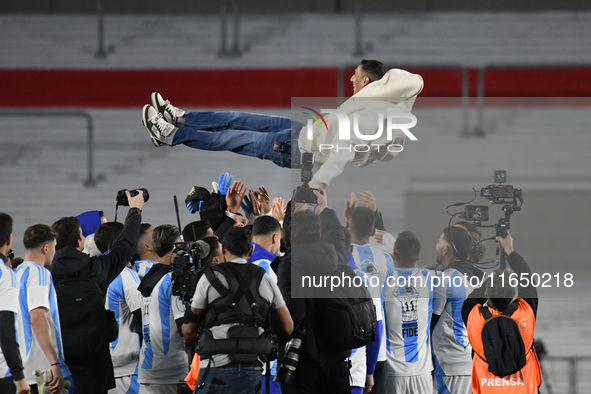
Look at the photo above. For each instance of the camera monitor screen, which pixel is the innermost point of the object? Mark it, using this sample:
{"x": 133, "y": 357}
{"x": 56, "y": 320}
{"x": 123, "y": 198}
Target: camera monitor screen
{"x": 476, "y": 212}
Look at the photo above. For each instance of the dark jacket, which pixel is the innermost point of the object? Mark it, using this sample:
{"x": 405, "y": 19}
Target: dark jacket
{"x": 320, "y": 369}
{"x": 528, "y": 293}
{"x": 96, "y": 375}
{"x": 317, "y": 259}
{"x": 68, "y": 261}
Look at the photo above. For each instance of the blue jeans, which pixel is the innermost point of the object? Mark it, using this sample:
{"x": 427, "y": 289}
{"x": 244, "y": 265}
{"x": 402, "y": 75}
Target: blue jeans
{"x": 231, "y": 380}
{"x": 243, "y": 133}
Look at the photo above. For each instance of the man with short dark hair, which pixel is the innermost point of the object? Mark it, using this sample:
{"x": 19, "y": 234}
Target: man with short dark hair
{"x": 369, "y": 366}
{"x": 375, "y": 91}
{"x": 106, "y": 235}
{"x": 256, "y": 304}
{"x": 215, "y": 255}
{"x": 145, "y": 251}
{"x": 39, "y": 322}
{"x": 163, "y": 361}
{"x": 11, "y": 366}
{"x": 69, "y": 232}
{"x": 451, "y": 349}
{"x": 94, "y": 374}
{"x": 499, "y": 297}
{"x": 408, "y": 307}
{"x": 266, "y": 241}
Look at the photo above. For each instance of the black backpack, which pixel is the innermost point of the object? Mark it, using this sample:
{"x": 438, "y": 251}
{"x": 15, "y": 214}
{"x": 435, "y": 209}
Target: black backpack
{"x": 348, "y": 320}
{"x": 502, "y": 343}
{"x": 241, "y": 303}
{"x": 84, "y": 322}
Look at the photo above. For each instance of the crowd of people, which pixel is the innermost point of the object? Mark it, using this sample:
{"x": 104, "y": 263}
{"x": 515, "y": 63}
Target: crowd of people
{"x": 222, "y": 305}
{"x": 97, "y": 304}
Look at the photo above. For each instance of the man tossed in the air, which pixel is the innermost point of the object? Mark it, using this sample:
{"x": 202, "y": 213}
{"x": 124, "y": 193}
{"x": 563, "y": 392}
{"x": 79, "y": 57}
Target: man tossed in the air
{"x": 377, "y": 92}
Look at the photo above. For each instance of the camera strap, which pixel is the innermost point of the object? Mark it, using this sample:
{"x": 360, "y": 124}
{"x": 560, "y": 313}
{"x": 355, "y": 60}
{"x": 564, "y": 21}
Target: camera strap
{"x": 116, "y": 207}
{"x": 197, "y": 388}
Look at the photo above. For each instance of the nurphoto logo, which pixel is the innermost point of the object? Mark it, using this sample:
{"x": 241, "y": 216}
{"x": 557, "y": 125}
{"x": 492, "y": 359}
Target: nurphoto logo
{"x": 387, "y": 122}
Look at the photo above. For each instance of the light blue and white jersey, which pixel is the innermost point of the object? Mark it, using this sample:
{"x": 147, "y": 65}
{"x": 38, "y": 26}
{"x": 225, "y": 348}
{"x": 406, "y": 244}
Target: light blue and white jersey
{"x": 408, "y": 307}
{"x": 162, "y": 357}
{"x": 142, "y": 267}
{"x": 8, "y": 303}
{"x": 452, "y": 353}
{"x": 36, "y": 290}
{"x": 372, "y": 262}
{"x": 123, "y": 298}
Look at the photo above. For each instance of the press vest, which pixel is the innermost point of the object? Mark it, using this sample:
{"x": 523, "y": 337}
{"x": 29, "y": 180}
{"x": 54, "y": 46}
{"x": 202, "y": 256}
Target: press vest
{"x": 528, "y": 379}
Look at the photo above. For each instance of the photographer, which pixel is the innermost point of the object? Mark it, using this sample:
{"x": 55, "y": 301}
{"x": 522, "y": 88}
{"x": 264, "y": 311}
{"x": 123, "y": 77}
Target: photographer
{"x": 89, "y": 359}
{"x": 233, "y": 322}
{"x": 499, "y": 297}
{"x": 163, "y": 361}
{"x": 316, "y": 242}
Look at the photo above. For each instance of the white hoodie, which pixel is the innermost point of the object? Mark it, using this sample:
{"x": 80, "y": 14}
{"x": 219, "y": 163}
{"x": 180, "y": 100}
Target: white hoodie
{"x": 396, "y": 91}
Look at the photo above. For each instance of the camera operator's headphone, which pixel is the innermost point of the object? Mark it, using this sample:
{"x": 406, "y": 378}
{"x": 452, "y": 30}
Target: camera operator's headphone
{"x": 451, "y": 241}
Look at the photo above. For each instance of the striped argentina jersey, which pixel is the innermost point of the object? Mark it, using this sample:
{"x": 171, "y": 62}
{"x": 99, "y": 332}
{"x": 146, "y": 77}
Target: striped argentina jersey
{"x": 36, "y": 290}
{"x": 123, "y": 298}
{"x": 372, "y": 262}
{"x": 452, "y": 353}
{"x": 408, "y": 307}
{"x": 162, "y": 357}
{"x": 8, "y": 303}
{"x": 142, "y": 267}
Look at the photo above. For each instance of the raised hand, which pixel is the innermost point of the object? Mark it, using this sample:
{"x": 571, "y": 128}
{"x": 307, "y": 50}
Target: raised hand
{"x": 368, "y": 199}
{"x": 278, "y": 208}
{"x": 350, "y": 206}
{"x": 235, "y": 196}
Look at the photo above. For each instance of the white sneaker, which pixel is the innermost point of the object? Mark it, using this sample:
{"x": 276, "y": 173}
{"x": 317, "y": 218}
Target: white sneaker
{"x": 170, "y": 112}
{"x": 157, "y": 126}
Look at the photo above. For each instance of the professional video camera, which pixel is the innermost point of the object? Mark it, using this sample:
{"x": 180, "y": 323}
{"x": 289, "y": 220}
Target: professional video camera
{"x": 305, "y": 194}
{"x": 510, "y": 197}
{"x": 506, "y": 195}
{"x": 187, "y": 268}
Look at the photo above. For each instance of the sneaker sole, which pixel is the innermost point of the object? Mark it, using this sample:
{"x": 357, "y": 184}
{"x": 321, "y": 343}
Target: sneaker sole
{"x": 144, "y": 122}
{"x": 156, "y": 104}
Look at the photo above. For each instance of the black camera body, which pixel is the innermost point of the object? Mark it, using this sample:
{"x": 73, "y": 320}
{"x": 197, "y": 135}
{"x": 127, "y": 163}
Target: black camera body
{"x": 187, "y": 268}
{"x": 122, "y": 197}
{"x": 500, "y": 194}
{"x": 305, "y": 194}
